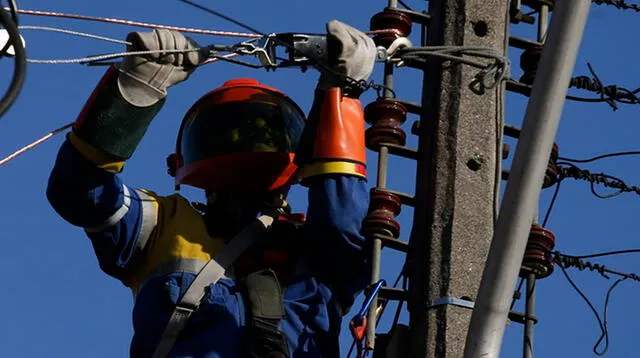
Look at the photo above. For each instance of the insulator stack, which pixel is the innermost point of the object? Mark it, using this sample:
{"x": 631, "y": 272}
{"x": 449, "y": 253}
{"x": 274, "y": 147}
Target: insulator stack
{"x": 390, "y": 19}
{"x": 551, "y": 175}
{"x": 385, "y": 116}
{"x": 537, "y": 257}
{"x": 383, "y": 209}
{"x": 529, "y": 61}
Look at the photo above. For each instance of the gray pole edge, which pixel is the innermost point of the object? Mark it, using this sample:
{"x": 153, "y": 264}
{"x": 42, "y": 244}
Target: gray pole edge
{"x": 489, "y": 318}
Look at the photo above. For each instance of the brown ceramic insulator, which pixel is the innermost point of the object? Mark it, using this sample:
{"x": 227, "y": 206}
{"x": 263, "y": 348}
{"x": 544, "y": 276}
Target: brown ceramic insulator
{"x": 383, "y": 208}
{"x": 390, "y": 19}
{"x": 378, "y": 134}
{"x": 537, "y": 257}
{"x": 385, "y": 116}
{"x": 551, "y": 175}
{"x": 529, "y": 61}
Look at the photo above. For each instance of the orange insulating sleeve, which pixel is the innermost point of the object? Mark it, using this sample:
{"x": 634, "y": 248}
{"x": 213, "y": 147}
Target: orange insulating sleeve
{"x": 340, "y": 132}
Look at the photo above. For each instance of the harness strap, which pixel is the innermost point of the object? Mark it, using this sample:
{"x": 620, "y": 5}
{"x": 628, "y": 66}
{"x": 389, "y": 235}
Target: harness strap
{"x": 267, "y": 309}
{"x": 209, "y": 274}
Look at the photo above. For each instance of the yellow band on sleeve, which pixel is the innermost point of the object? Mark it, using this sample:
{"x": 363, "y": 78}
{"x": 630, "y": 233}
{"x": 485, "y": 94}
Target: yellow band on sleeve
{"x": 321, "y": 168}
{"x": 98, "y": 157}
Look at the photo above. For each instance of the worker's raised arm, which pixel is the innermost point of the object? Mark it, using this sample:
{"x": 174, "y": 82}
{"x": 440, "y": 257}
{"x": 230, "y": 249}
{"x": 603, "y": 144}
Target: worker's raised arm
{"x": 84, "y": 187}
{"x": 332, "y": 161}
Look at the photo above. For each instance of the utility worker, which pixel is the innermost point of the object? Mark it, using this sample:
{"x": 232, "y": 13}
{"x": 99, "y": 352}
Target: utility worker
{"x": 199, "y": 292}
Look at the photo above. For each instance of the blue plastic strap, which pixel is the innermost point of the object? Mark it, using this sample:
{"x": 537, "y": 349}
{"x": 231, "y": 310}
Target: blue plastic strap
{"x": 442, "y": 301}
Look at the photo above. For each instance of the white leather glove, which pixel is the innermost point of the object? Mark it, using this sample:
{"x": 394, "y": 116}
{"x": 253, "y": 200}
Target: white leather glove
{"x": 144, "y": 79}
{"x": 350, "y": 52}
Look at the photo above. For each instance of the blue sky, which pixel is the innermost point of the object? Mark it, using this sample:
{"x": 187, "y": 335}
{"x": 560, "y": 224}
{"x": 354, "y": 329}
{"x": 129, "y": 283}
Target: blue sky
{"x": 56, "y": 301}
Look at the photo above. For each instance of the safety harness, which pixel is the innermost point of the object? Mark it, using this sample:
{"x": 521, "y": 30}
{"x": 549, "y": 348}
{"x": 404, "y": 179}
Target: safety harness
{"x": 264, "y": 297}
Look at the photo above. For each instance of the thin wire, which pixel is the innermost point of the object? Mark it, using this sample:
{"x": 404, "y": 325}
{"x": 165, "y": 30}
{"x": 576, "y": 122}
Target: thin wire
{"x": 602, "y": 322}
{"x": 591, "y": 307}
{"x": 405, "y": 5}
{"x": 358, "y": 85}
{"x": 593, "y": 159}
{"x": 237, "y": 62}
{"x": 258, "y": 32}
{"x": 220, "y": 58}
{"x": 136, "y": 23}
{"x": 568, "y": 170}
{"x": 609, "y": 94}
{"x": 606, "y": 253}
{"x": 108, "y": 56}
{"x": 75, "y": 33}
{"x": 552, "y": 203}
{"x": 498, "y": 70}
{"x": 34, "y": 144}
{"x": 605, "y": 334}
{"x": 619, "y": 4}
{"x": 223, "y": 16}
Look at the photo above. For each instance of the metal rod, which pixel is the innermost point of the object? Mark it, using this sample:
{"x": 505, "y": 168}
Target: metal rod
{"x": 529, "y": 311}
{"x": 522, "y": 191}
{"x": 543, "y": 19}
{"x": 383, "y": 158}
{"x": 388, "y": 80}
{"x": 393, "y": 3}
{"x": 371, "y": 315}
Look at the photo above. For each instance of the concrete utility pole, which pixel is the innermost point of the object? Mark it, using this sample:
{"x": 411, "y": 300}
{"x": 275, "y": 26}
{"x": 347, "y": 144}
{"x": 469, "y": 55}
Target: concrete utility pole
{"x": 458, "y": 178}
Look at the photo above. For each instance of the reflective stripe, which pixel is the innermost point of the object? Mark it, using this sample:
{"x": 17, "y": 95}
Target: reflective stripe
{"x": 192, "y": 266}
{"x": 181, "y": 265}
{"x": 117, "y": 216}
{"x": 149, "y": 219}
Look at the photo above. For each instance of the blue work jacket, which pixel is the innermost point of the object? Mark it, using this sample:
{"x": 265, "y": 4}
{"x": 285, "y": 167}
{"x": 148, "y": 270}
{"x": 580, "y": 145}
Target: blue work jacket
{"x": 136, "y": 234}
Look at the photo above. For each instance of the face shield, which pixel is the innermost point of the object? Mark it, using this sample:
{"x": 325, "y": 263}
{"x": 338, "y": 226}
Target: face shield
{"x": 242, "y": 136}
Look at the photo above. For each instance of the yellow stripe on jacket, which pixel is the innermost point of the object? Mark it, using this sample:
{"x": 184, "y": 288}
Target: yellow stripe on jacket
{"x": 180, "y": 233}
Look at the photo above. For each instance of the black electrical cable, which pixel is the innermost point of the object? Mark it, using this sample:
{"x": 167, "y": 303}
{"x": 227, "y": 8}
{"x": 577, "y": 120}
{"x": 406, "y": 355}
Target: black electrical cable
{"x": 13, "y": 6}
{"x": 20, "y": 60}
{"x": 591, "y": 307}
{"x": 569, "y": 170}
{"x": 602, "y": 321}
{"x": 14, "y": 16}
{"x": 603, "y": 156}
{"x": 619, "y": 4}
{"x": 552, "y": 203}
{"x": 405, "y": 5}
{"x": 606, "y": 253}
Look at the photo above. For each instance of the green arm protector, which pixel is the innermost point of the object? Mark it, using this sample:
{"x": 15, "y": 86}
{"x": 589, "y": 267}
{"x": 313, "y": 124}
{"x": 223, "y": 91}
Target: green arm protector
{"x": 110, "y": 123}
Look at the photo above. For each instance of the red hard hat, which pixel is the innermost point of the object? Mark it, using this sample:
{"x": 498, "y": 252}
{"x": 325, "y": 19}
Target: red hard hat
{"x": 240, "y": 136}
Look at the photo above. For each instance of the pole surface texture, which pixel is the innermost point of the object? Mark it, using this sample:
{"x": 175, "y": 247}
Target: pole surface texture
{"x": 458, "y": 177}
